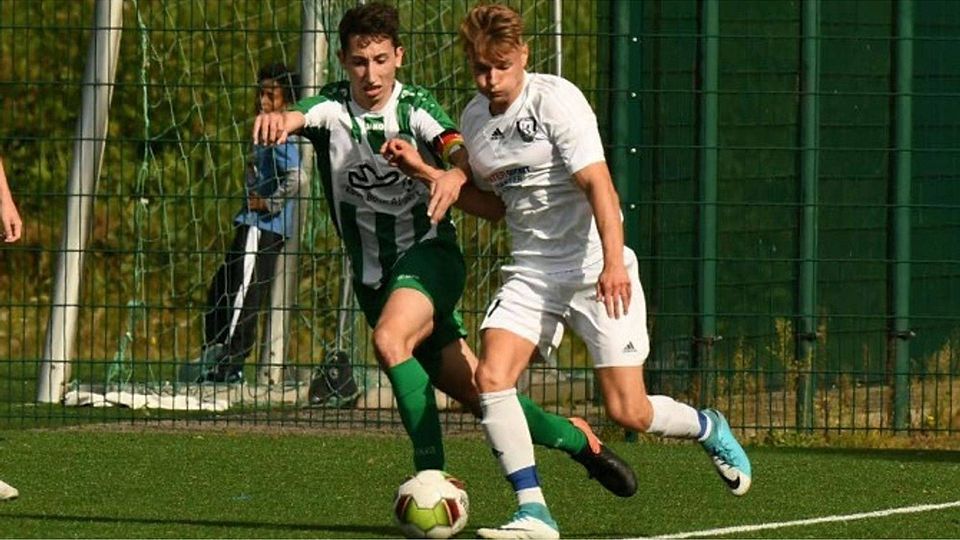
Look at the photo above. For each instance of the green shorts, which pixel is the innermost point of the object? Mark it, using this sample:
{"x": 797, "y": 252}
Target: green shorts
{"x": 436, "y": 268}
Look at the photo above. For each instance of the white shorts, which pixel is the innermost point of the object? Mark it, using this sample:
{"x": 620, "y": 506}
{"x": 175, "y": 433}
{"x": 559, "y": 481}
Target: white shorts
{"x": 537, "y": 307}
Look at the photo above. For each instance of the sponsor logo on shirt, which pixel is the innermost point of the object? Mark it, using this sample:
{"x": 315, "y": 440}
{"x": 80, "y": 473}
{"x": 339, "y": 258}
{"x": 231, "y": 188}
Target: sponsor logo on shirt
{"x": 375, "y": 122}
{"x": 366, "y": 183}
{"x": 508, "y": 178}
{"x": 366, "y": 177}
{"x": 497, "y": 135}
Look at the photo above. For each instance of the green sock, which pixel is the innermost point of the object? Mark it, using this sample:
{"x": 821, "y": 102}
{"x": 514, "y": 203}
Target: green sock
{"x": 418, "y": 411}
{"x": 551, "y": 430}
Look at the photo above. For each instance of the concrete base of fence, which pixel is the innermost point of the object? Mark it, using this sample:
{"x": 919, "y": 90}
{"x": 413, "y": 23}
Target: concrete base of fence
{"x": 546, "y": 386}
{"x": 209, "y": 397}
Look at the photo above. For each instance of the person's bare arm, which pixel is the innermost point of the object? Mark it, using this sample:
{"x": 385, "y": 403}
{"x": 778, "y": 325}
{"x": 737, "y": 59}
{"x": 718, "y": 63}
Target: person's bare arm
{"x": 9, "y": 216}
{"x": 452, "y": 187}
{"x": 613, "y": 285}
{"x": 473, "y": 200}
{"x": 444, "y": 185}
{"x": 483, "y": 204}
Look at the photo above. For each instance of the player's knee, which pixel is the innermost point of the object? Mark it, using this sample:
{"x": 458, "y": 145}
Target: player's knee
{"x": 636, "y": 415}
{"x": 390, "y": 347}
{"x": 490, "y": 379}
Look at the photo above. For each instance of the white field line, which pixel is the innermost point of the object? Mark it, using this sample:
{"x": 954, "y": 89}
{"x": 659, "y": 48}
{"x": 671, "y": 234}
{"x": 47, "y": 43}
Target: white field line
{"x": 812, "y": 521}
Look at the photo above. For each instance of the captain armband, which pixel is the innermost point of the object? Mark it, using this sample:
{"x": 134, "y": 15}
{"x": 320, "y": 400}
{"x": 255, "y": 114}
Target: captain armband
{"x": 446, "y": 143}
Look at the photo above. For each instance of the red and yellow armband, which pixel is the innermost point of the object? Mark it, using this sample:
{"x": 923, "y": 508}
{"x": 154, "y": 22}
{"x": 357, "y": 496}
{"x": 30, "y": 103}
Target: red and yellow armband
{"x": 447, "y": 143}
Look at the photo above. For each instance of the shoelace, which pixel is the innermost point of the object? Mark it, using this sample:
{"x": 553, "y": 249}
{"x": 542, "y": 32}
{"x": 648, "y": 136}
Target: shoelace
{"x": 723, "y": 450}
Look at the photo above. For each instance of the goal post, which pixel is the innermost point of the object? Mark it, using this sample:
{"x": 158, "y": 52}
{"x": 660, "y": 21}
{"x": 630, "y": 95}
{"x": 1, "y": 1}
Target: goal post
{"x": 89, "y": 140}
{"x": 313, "y": 64}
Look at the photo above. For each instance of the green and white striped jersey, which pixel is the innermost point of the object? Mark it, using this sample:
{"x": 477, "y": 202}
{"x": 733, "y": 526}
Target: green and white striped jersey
{"x": 379, "y": 212}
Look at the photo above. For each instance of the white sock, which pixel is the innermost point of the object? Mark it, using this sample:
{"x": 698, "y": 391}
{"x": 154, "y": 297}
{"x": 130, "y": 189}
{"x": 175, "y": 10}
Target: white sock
{"x": 674, "y": 419}
{"x": 509, "y": 436}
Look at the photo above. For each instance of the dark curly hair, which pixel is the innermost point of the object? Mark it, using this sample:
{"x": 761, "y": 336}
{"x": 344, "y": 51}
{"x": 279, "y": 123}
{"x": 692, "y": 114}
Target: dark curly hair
{"x": 286, "y": 79}
{"x": 373, "y": 20}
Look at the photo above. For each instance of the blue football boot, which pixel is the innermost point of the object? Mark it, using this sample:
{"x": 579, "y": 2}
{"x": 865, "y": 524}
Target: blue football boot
{"x": 728, "y": 456}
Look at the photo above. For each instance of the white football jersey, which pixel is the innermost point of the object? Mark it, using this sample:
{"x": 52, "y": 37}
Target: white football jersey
{"x": 528, "y": 156}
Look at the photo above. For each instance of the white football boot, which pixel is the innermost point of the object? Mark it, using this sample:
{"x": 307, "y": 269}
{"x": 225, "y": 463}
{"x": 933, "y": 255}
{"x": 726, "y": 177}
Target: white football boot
{"x": 7, "y": 491}
{"x": 532, "y": 520}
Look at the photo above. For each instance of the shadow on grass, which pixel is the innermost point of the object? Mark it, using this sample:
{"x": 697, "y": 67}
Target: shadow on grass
{"x": 362, "y": 531}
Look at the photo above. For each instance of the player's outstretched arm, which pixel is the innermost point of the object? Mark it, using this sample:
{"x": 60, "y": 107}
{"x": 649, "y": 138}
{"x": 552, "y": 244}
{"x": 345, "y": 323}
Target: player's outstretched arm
{"x": 613, "y": 285}
{"x": 480, "y": 203}
{"x": 274, "y": 127}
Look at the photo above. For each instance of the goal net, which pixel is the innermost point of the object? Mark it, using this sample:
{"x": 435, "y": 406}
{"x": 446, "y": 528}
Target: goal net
{"x": 172, "y": 182}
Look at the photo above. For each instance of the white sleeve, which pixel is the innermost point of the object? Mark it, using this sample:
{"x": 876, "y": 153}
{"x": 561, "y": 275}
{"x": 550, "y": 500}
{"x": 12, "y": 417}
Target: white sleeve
{"x": 424, "y": 126}
{"x": 319, "y": 112}
{"x": 571, "y": 125}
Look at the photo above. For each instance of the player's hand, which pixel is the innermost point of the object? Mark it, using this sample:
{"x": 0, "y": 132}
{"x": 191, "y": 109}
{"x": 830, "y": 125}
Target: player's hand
{"x": 613, "y": 289}
{"x": 256, "y": 203}
{"x": 444, "y": 192}
{"x": 402, "y": 155}
{"x": 270, "y": 128}
{"x": 12, "y": 226}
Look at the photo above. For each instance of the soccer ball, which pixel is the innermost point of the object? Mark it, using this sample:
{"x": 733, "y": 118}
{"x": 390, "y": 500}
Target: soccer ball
{"x": 431, "y": 504}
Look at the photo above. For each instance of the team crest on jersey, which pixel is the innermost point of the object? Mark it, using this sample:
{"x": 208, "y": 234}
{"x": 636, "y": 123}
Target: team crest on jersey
{"x": 527, "y": 127}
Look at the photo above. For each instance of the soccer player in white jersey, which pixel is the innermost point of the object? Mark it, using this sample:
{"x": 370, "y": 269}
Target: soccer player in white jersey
{"x": 408, "y": 270}
{"x": 533, "y": 140}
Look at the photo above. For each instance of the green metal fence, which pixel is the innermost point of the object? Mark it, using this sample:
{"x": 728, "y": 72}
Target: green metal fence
{"x": 799, "y": 201}
{"x": 787, "y": 169}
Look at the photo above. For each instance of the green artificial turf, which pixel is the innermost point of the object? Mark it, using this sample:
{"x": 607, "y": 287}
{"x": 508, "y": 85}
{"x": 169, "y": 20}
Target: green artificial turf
{"x": 196, "y": 483}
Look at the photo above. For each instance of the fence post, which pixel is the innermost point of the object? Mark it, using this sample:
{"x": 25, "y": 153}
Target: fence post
{"x": 806, "y": 335}
{"x": 626, "y": 114}
{"x": 707, "y": 232}
{"x": 89, "y": 142}
{"x": 626, "y": 117}
{"x": 900, "y": 272}
{"x": 283, "y": 292}
{"x": 556, "y": 9}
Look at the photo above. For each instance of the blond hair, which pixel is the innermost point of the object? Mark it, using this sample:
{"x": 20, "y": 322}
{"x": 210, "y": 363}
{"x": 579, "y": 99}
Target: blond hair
{"x": 491, "y": 30}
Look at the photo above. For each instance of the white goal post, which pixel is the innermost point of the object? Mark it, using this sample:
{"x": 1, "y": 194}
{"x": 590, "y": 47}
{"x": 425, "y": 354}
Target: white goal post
{"x": 90, "y": 138}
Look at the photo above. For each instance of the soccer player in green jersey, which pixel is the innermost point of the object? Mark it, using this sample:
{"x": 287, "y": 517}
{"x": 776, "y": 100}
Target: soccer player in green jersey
{"x": 407, "y": 268}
